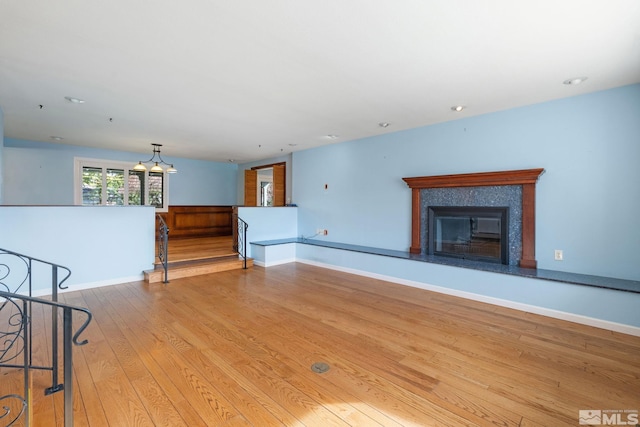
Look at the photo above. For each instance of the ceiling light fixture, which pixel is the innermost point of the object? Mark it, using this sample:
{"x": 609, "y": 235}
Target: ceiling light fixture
{"x": 574, "y": 81}
{"x": 56, "y": 138}
{"x": 384, "y": 124}
{"x": 155, "y": 168}
{"x": 457, "y": 108}
{"x": 73, "y": 100}
{"x": 332, "y": 136}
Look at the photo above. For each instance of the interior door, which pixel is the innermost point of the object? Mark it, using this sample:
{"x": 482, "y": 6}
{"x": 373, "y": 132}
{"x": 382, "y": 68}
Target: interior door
{"x": 278, "y": 185}
{"x": 250, "y": 186}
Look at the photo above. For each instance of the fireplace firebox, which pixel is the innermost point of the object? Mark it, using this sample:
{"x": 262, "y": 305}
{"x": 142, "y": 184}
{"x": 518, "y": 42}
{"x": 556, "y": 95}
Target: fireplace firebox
{"x": 469, "y": 232}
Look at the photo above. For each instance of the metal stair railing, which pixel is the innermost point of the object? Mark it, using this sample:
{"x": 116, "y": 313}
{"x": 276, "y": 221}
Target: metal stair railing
{"x": 16, "y": 342}
{"x": 18, "y": 273}
{"x": 241, "y": 244}
{"x": 163, "y": 246}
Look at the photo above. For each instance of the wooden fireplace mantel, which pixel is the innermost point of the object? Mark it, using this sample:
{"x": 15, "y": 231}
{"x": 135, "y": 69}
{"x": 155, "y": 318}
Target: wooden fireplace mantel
{"x": 526, "y": 177}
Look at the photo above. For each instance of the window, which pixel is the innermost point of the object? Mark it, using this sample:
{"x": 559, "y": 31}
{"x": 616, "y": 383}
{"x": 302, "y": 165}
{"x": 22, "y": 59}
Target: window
{"x": 108, "y": 183}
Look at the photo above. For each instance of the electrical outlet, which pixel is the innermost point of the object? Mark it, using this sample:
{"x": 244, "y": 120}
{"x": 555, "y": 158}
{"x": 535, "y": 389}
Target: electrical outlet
{"x": 320, "y": 231}
{"x": 558, "y": 255}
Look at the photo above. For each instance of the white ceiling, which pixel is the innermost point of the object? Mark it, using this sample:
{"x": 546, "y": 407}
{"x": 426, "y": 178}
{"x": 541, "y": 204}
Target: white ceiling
{"x": 252, "y": 79}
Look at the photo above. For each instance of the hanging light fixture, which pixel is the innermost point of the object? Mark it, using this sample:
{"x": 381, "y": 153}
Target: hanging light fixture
{"x": 140, "y": 167}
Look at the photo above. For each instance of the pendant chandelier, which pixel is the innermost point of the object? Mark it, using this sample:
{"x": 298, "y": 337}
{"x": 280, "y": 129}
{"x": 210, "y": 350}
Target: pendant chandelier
{"x": 140, "y": 167}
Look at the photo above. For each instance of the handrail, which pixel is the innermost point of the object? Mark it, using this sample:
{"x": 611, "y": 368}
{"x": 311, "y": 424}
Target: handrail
{"x": 28, "y": 260}
{"x": 163, "y": 246}
{"x": 19, "y": 280}
{"x": 20, "y": 331}
{"x": 79, "y": 331}
{"x": 242, "y": 240}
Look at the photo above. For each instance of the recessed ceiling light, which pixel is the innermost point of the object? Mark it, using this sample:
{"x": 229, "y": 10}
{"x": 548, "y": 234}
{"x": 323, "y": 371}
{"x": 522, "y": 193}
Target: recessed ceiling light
{"x": 332, "y": 136}
{"x": 292, "y": 145}
{"x": 231, "y": 160}
{"x": 73, "y": 100}
{"x": 574, "y": 81}
{"x": 384, "y": 124}
{"x": 56, "y": 138}
{"x": 457, "y": 108}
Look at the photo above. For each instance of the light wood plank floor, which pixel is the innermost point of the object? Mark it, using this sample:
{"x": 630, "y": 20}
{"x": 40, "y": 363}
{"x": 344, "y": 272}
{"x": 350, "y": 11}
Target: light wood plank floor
{"x": 235, "y": 349}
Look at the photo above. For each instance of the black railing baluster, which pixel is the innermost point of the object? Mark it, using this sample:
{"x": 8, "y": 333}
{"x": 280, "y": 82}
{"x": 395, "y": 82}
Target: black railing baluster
{"x": 68, "y": 367}
{"x": 27, "y": 361}
{"x": 54, "y": 332}
{"x": 242, "y": 240}
{"x": 163, "y": 247}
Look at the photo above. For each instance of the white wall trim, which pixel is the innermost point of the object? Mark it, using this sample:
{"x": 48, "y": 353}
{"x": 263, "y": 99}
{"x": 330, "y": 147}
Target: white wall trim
{"x": 90, "y": 285}
{"x": 556, "y": 314}
{"x": 273, "y": 263}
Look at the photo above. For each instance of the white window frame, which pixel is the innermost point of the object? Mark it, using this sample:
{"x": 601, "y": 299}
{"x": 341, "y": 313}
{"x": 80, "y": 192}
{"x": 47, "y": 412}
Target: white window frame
{"x": 81, "y": 162}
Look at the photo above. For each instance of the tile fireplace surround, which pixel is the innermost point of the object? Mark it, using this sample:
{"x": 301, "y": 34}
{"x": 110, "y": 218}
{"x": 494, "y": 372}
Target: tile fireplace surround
{"x": 515, "y": 189}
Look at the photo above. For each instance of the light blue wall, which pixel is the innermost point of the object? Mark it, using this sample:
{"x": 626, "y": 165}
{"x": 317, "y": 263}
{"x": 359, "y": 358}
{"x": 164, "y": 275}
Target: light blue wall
{"x": 38, "y": 173}
{"x": 589, "y": 146}
{"x": 288, "y": 171}
{"x": 94, "y": 242}
{"x": 269, "y": 223}
{"x": 200, "y": 182}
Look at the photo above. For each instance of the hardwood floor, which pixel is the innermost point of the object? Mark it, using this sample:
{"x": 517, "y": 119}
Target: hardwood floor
{"x": 235, "y": 349}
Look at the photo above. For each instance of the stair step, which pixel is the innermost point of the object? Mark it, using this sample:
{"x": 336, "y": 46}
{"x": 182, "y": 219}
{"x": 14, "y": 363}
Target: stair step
{"x": 197, "y": 259}
{"x": 196, "y": 268}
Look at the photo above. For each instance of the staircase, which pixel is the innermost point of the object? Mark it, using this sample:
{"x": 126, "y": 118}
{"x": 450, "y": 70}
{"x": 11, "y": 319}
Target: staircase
{"x": 196, "y": 267}
{"x": 187, "y": 257}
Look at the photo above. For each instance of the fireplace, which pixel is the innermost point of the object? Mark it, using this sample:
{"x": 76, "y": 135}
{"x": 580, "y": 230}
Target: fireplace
{"x": 515, "y": 189}
{"x": 469, "y": 232}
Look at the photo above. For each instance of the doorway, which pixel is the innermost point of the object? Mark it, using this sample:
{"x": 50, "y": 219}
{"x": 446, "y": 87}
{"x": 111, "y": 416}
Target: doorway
{"x": 265, "y": 185}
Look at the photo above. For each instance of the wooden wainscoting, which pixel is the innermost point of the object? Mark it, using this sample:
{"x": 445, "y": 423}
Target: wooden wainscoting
{"x": 199, "y": 221}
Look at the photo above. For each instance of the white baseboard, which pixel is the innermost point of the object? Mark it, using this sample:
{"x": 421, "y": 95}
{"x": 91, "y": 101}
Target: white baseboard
{"x": 556, "y": 314}
{"x": 273, "y": 263}
{"x": 90, "y": 285}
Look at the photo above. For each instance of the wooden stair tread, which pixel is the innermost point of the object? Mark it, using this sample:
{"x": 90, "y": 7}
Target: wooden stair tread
{"x": 196, "y": 256}
{"x": 199, "y": 267}
{"x": 199, "y": 260}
